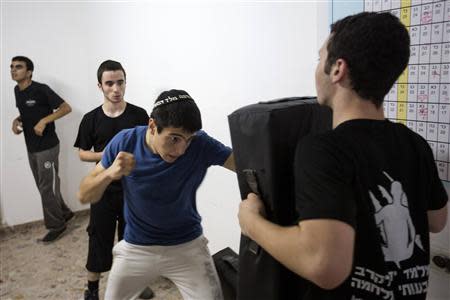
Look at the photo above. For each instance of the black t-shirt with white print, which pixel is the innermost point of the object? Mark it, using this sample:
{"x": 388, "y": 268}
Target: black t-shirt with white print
{"x": 380, "y": 178}
{"x": 35, "y": 103}
{"x": 97, "y": 129}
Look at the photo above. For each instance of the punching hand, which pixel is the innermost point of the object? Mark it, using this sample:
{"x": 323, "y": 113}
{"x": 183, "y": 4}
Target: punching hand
{"x": 122, "y": 165}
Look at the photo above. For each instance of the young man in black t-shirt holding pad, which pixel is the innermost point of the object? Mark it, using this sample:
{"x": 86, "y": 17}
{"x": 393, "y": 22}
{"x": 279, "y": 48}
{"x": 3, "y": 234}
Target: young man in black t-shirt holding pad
{"x": 97, "y": 128}
{"x": 368, "y": 192}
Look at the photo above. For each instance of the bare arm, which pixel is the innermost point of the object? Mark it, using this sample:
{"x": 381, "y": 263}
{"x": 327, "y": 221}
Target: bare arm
{"x": 95, "y": 183}
{"x": 229, "y": 163}
{"x": 319, "y": 250}
{"x": 89, "y": 156}
{"x": 437, "y": 219}
{"x": 62, "y": 110}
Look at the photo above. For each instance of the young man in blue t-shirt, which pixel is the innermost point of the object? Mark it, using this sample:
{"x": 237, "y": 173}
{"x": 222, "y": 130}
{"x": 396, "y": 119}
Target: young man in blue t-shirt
{"x": 161, "y": 167}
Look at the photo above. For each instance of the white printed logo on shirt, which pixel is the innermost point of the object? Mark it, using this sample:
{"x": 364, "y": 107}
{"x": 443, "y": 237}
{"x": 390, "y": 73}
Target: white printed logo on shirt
{"x": 395, "y": 223}
{"x": 30, "y": 102}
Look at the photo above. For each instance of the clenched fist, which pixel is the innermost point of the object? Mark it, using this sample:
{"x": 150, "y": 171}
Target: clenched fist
{"x": 17, "y": 126}
{"x": 40, "y": 127}
{"x": 122, "y": 165}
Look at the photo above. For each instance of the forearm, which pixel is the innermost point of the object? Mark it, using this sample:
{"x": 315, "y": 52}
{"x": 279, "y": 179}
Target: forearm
{"x": 62, "y": 110}
{"x": 92, "y": 187}
{"x": 90, "y": 156}
{"x": 230, "y": 164}
{"x": 313, "y": 254}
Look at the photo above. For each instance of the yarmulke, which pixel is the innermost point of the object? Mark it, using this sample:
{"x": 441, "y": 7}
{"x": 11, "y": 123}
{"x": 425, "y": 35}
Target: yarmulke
{"x": 172, "y": 96}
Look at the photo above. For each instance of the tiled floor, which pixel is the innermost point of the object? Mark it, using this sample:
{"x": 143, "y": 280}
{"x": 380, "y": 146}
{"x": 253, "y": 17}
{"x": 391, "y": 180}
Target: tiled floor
{"x": 32, "y": 270}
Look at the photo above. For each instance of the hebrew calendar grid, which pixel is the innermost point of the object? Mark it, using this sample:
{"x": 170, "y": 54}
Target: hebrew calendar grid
{"x": 420, "y": 98}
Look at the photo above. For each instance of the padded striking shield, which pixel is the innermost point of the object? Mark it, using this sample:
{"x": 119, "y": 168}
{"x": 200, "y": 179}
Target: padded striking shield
{"x": 264, "y": 138}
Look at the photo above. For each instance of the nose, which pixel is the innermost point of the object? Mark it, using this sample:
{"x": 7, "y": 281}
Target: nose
{"x": 116, "y": 88}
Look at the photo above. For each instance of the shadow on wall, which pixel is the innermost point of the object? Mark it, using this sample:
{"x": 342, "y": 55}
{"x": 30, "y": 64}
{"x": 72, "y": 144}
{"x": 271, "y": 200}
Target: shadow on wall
{"x": 71, "y": 169}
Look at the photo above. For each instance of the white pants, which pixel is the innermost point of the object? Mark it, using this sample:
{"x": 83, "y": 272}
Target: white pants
{"x": 189, "y": 266}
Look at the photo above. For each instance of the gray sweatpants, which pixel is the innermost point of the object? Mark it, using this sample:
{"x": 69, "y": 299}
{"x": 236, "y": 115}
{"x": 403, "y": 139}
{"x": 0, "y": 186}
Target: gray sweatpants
{"x": 44, "y": 166}
{"x": 189, "y": 266}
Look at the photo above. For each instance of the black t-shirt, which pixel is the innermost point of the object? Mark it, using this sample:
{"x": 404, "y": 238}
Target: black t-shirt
{"x": 380, "y": 178}
{"x": 97, "y": 129}
{"x": 34, "y": 103}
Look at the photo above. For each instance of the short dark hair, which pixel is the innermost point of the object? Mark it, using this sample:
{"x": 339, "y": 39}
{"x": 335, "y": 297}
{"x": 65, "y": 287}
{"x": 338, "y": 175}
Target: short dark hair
{"x": 109, "y": 65}
{"x": 375, "y": 47}
{"x": 176, "y": 108}
{"x": 28, "y": 63}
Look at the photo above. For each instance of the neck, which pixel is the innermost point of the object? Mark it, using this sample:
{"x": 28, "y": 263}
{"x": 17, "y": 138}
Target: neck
{"x": 112, "y": 109}
{"x": 347, "y": 105}
{"x": 23, "y": 84}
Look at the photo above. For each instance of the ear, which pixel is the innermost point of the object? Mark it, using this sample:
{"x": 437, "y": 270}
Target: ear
{"x": 339, "y": 70}
{"x": 99, "y": 86}
{"x": 152, "y": 126}
{"x": 29, "y": 73}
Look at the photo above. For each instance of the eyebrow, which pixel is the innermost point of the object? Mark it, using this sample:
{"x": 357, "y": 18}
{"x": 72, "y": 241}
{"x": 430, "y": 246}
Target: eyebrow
{"x": 112, "y": 81}
{"x": 182, "y": 136}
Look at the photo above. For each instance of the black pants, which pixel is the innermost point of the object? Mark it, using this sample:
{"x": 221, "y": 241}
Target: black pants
{"x": 105, "y": 216}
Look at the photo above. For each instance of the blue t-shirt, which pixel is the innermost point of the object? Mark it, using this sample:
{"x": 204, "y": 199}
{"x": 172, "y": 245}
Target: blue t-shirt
{"x": 160, "y": 197}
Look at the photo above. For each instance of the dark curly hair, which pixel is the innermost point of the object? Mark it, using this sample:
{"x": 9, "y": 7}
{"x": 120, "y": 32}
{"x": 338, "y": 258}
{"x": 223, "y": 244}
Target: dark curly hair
{"x": 376, "y": 49}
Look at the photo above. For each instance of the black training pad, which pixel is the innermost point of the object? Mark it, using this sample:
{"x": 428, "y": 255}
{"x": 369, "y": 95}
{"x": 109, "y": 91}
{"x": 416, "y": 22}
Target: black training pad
{"x": 264, "y": 138}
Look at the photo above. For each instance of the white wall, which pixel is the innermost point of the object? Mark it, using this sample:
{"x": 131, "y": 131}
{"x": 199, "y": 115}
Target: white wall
{"x": 225, "y": 55}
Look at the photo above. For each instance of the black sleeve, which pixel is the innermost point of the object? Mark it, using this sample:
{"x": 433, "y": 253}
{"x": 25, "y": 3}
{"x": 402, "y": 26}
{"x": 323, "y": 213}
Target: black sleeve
{"x": 85, "y": 139}
{"x": 324, "y": 187}
{"x": 54, "y": 100}
{"x": 438, "y": 196}
{"x": 142, "y": 117}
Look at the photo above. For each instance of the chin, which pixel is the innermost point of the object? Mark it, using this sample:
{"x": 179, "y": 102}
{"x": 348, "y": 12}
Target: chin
{"x": 170, "y": 159}
{"x": 324, "y": 102}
